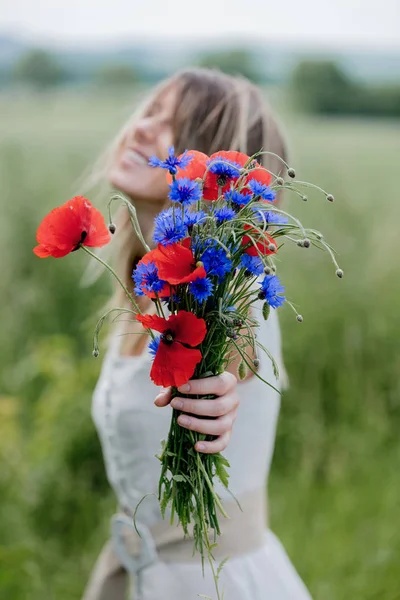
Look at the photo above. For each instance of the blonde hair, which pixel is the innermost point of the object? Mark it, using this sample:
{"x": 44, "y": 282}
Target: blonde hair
{"x": 214, "y": 111}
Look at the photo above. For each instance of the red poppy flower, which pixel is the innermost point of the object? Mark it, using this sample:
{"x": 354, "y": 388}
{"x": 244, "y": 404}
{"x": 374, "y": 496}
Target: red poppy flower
{"x": 68, "y": 226}
{"x": 174, "y": 363}
{"x": 212, "y": 180}
{"x": 262, "y": 240}
{"x": 176, "y": 264}
{"x": 195, "y": 169}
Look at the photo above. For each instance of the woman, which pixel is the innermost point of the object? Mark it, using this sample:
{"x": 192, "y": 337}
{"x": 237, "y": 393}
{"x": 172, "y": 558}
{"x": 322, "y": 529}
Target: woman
{"x": 206, "y": 111}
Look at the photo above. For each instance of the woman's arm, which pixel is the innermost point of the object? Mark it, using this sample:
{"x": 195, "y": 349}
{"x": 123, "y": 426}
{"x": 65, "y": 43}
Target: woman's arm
{"x": 222, "y": 409}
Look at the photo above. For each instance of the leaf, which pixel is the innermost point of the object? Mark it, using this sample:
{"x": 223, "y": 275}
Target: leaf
{"x": 221, "y": 566}
{"x": 242, "y": 371}
{"x": 221, "y": 472}
{"x": 266, "y": 309}
{"x": 179, "y": 478}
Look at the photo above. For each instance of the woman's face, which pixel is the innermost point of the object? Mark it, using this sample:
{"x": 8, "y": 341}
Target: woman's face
{"x": 151, "y": 135}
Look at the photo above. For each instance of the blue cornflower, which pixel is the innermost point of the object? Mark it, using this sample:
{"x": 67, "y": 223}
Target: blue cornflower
{"x": 216, "y": 262}
{"x": 185, "y": 191}
{"x": 194, "y": 218}
{"x": 172, "y": 163}
{"x": 262, "y": 190}
{"x": 201, "y": 288}
{"x": 223, "y": 168}
{"x": 224, "y": 214}
{"x": 253, "y": 264}
{"x": 153, "y": 346}
{"x": 169, "y": 229}
{"x": 146, "y": 278}
{"x": 271, "y": 217}
{"x": 271, "y": 288}
{"x": 237, "y": 198}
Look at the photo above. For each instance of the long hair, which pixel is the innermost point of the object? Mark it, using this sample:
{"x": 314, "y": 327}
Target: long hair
{"x": 213, "y": 111}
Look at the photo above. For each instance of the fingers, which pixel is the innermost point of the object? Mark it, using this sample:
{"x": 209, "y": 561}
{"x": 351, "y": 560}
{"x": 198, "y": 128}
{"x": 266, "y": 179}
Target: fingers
{"x": 163, "y": 398}
{"x": 215, "y": 446}
{"x": 207, "y": 408}
{"x": 210, "y": 427}
{"x": 219, "y": 385}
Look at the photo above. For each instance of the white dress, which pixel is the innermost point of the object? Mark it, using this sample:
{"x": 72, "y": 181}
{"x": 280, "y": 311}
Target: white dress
{"x": 131, "y": 427}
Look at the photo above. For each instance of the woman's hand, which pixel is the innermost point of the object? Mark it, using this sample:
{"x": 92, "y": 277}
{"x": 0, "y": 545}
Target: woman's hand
{"x": 223, "y": 409}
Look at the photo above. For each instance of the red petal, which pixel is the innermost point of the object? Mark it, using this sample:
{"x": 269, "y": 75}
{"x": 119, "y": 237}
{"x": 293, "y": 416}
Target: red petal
{"x": 262, "y": 240}
{"x": 99, "y": 234}
{"x": 232, "y": 155}
{"x": 176, "y": 264}
{"x": 187, "y": 328}
{"x": 153, "y": 322}
{"x": 260, "y": 175}
{"x": 174, "y": 364}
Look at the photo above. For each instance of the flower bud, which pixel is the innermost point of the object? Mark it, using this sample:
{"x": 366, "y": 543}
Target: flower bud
{"x": 339, "y": 273}
{"x": 304, "y": 198}
{"x": 292, "y": 173}
{"x": 279, "y": 181}
{"x": 306, "y": 243}
{"x": 95, "y": 353}
{"x": 299, "y": 318}
{"x": 300, "y": 243}
{"x": 267, "y": 270}
{"x": 330, "y": 198}
{"x": 256, "y": 363}
{"x": 112, "y": 228}
{"x": 271, "y": 247}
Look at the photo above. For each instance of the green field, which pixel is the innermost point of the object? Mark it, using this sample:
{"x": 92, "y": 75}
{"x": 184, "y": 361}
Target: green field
{"x": 334, "y": 487}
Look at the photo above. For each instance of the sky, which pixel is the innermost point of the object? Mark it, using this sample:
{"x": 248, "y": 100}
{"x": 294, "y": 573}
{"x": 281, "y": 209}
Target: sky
{"x": 333, "y": 23}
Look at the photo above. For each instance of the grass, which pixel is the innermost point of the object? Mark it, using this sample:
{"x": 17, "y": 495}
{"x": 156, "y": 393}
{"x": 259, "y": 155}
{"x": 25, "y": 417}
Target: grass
{"x": 334, "y": 481}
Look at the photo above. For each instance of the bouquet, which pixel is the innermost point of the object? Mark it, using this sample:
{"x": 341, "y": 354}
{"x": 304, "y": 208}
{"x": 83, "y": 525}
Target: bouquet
{"x": 213, "y": 259}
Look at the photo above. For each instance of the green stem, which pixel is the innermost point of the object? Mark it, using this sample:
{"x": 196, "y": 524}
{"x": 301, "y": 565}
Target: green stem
{"x": 113, "y": 273}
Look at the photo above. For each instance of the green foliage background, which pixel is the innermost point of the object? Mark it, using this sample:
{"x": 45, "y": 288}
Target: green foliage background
{"x": 334, "y": 482}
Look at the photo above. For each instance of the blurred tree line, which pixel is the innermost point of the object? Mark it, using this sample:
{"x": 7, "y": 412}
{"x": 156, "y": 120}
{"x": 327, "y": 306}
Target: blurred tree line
{"x": 317, "y": 86}
{"x": 322, "y": 87}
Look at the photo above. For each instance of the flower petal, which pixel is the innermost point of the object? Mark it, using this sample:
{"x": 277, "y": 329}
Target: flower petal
{"x": 176, "y": 265}
{"x": 262, "y": 241}
{"x": 153, "y": 322}
{"x": 174, "y": 364}
{"x": 187, "y": 328}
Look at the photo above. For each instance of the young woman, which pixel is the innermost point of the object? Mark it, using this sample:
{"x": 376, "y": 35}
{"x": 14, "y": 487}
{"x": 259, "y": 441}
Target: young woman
{"x": 206, "y": 111}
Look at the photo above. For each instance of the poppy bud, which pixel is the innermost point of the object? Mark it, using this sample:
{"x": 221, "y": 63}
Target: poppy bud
{"x": 267, "y": 270}
{"x": 330, "y": 198}
{"x": 279, "y": 181}
{"x": 112, "y": 228}
{"x": 304, "y": 198}
{"x": 300, "y": 243}
{"x": 339, "y": 273}
{"x": 306, "y": 243}
{"x": 271, "y": 247}
{"x": 299, "y": 318}
{"x": 95, "y": 353}
{"x": 292, "y": 173}
{"x": 256, "y": 363}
